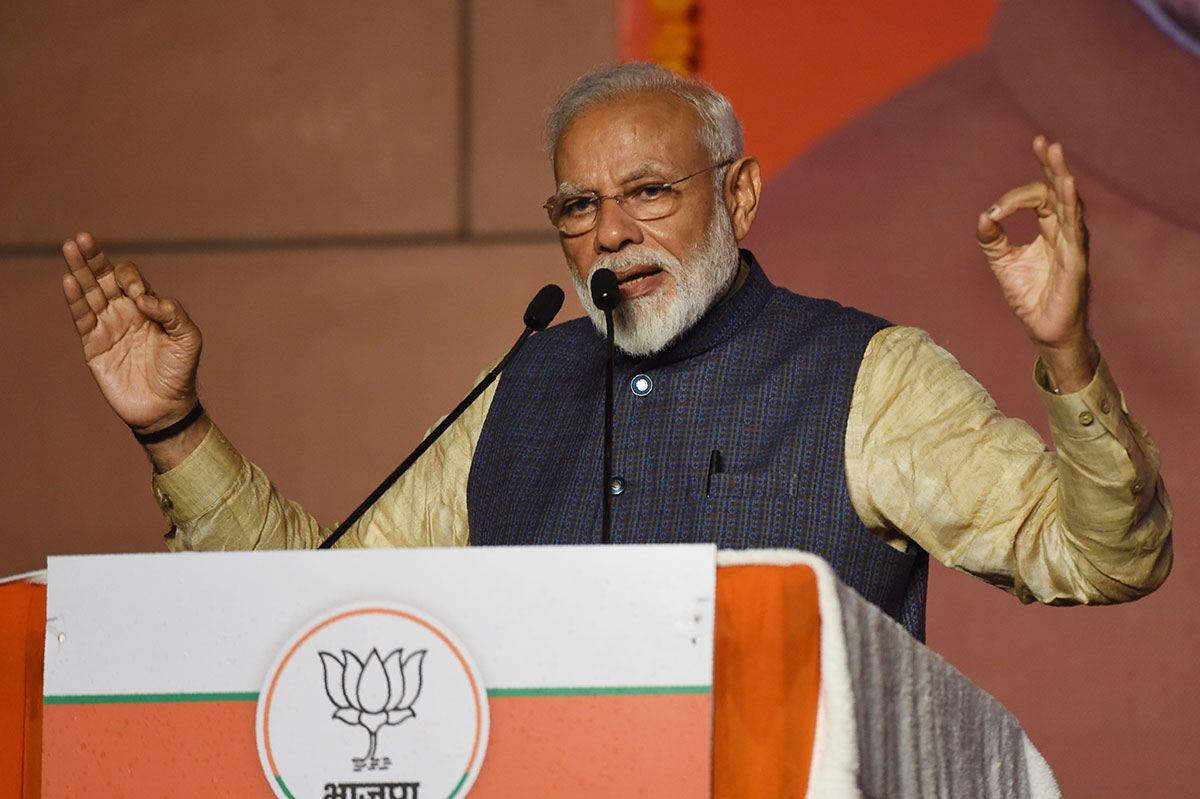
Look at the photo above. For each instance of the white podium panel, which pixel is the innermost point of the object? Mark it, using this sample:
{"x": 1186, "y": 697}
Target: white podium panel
{"x": 584, "y": 671}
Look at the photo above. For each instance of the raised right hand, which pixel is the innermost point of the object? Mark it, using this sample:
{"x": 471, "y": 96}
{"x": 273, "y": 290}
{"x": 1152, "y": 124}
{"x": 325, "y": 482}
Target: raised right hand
{"x": 143, "y": 350}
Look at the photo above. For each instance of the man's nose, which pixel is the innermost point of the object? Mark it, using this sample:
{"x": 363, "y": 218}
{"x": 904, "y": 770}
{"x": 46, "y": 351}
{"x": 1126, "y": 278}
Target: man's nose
{"x": 615, "y": 227}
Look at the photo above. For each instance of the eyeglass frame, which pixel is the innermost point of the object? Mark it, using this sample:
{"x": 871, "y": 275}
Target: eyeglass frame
{"x": 625, "y": 195}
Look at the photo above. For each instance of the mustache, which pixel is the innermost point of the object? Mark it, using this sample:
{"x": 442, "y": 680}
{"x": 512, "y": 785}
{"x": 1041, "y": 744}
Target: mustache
{"x": 629, "y": 258}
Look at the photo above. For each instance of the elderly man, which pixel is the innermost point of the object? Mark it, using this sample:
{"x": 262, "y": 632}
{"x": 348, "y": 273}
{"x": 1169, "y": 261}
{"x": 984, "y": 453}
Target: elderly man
{"x": 751, "y": 416}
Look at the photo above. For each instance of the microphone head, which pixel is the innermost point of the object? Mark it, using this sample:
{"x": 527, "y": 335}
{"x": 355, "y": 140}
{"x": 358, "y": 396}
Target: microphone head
{"x": 606, "y": 294}
{"x": 543, "y": 307}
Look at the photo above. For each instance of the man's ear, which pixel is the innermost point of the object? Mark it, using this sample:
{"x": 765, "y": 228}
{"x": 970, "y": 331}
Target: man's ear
{"x": 743, "y": 187}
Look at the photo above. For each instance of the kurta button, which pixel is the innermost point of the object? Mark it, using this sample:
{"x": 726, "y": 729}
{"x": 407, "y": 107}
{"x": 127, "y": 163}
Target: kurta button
{"x": 1137, "y": 488}
{"x": 1086, "y": 418}
{"x": 641, "y": 385}
{"x": 617, "y": 486}
{"x": 1105, "y": 407}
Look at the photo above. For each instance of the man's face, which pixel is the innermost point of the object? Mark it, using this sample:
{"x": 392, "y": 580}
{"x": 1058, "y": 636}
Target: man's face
{"x": 670, "y": 270}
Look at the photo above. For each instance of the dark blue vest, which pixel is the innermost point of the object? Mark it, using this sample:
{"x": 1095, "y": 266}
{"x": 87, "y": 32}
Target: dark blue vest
{"x": 765, "y": 379}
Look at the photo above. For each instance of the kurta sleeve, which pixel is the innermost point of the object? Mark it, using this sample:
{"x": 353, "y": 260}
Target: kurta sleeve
{"x": 216, "y": 499}
{"x": 930, "y": 459}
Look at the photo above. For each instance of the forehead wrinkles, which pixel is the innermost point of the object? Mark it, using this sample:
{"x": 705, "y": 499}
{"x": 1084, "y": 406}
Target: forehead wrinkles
{"x": 639, "y": 171}
{"x": 610, "y": 140}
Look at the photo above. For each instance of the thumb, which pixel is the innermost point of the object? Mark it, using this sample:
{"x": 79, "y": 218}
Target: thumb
{"x": 991, "y": 236}
{"x": 168, "y": 313}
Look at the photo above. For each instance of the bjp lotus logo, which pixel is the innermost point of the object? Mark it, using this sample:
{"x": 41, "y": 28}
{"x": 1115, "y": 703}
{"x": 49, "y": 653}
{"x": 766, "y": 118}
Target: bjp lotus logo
{"x": 374, "y": 692}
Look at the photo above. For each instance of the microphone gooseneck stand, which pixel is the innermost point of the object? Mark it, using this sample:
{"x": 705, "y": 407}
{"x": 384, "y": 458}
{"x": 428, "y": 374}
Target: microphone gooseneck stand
{"x": 606, "y": 294}
{"x": 538, "y": 315}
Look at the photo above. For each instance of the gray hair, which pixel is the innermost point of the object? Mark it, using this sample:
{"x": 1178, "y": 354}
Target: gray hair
{"x": 720, "y": 130}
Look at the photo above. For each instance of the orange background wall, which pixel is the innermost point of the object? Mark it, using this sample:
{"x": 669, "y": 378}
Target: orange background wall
{"x": 349, "y": 205}
{"x": 796, "y": 70}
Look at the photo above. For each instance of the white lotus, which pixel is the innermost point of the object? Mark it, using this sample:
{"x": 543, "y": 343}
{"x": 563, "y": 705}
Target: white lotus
{"x": 374, "y": 692}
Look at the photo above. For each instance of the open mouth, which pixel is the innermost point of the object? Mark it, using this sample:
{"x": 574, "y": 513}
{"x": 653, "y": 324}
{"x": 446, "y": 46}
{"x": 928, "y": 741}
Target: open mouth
{"x": 638, "y": 274}
{"x": 640, "y": 281}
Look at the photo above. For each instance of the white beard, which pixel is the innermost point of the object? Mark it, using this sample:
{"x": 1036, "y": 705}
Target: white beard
{"x": 648, "y": 324}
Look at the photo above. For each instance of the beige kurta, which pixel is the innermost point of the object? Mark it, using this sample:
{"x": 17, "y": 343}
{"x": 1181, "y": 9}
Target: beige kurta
{"x": 929, "y": 459}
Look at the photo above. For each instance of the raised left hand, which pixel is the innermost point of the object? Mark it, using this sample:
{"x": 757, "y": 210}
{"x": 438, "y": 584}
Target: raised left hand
{"x": 1045, "y": 282}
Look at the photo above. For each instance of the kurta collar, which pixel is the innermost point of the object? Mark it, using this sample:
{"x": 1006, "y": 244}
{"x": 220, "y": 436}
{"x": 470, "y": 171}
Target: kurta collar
{"x": 1070, "y": 63}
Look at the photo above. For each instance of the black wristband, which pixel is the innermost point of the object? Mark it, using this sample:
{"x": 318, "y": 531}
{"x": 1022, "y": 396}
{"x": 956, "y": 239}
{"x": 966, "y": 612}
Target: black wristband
{"x": 173, "y": 429}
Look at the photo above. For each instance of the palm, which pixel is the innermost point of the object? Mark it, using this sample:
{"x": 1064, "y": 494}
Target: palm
{"x": 143, "y": 372}
{"x": 1041, "y": 284}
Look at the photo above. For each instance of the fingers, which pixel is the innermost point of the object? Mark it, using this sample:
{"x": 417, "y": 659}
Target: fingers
{"x": 1063, "y": 235}
{"x": 1053, "y": 215}
{"x": 169, "y": 314}
{"x": 99, "y": 281}
{"x": 81, "y": 313}
{"x": 1054, "y": 165}
{"x": 130, "y": 280}
{"x": 92, "y": 271}
{"x": 1036, "y": 197}
{"x": 1053, "y": 161}
{"x": 99, "y": 265}
{"x": 1070, "y": 209}
{"x": 93, "y": 283}
{"x": 1056, "y": 202}
{"x": 991, "y": 235}
{"x": 1074, "y": 229}
{"x": 1058, "y": 177}
{"x": 89, "y": 288}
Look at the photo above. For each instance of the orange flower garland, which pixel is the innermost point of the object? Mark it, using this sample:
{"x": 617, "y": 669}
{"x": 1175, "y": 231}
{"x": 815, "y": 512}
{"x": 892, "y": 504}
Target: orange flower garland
{"x": 676, "y": 40}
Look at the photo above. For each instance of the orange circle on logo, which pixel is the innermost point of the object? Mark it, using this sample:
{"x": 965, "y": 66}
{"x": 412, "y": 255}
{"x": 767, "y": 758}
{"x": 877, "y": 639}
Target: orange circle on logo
{"x": 477, "y": 691}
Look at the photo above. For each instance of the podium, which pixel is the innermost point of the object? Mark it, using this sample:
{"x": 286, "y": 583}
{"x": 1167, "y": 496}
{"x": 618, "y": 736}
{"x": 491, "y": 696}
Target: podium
{"x": 565, "y": 671}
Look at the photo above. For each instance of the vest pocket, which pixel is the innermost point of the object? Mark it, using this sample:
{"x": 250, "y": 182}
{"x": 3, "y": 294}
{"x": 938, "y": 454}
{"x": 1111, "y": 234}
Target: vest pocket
{"x": 743, "y": 510}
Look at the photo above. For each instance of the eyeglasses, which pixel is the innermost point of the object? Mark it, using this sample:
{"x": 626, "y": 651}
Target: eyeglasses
{"x": 574, "y": 214}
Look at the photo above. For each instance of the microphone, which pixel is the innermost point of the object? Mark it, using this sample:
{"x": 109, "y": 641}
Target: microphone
{"x": 543, "y": 307}
{"x": 538, "y": 316}
{"x": 606, "y": 294}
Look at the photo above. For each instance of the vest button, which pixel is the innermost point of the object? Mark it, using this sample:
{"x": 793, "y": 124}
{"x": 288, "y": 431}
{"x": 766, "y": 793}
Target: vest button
{"x": 616, "y": 486}
{"x": 641, "y": 385}
{"x": 1086, "y": 418}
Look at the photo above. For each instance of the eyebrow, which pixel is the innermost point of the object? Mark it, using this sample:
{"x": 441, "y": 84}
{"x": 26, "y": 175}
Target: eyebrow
{"x": 637, "y": 172}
